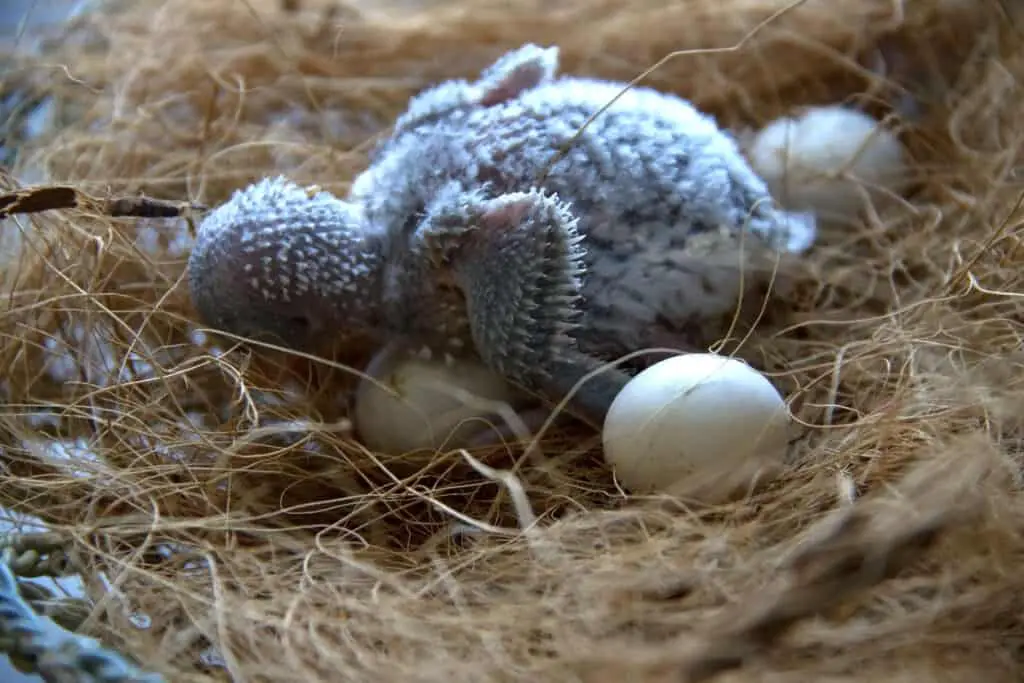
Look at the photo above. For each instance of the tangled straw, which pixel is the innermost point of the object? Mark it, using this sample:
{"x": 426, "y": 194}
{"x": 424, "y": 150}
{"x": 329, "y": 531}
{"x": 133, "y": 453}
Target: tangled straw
{"x": 299, "y": 554}
{"x": 38, "y": 644}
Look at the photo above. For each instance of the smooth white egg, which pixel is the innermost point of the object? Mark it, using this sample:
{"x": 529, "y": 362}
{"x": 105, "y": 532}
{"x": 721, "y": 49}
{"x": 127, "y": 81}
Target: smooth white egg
{"x": 695, "y": 418}
{"x": 420, "y": 403}
{"x": 828, "y": 160}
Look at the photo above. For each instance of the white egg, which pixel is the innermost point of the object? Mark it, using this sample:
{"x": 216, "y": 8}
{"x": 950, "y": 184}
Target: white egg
{"x": 694, "y": 417}
{"x": 825, "y": 159}
{"x": 419, "y": 403}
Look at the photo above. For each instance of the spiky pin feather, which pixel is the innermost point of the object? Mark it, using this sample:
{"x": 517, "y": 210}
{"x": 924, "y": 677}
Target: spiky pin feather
{"x": 519, "y": 217}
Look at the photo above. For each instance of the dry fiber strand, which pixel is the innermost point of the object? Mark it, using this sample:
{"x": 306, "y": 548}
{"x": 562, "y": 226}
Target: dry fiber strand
{"x": 216, "y": 488}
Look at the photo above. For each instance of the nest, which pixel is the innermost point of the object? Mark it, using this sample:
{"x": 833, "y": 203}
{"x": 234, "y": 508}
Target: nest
{"x": 216, "y": 489}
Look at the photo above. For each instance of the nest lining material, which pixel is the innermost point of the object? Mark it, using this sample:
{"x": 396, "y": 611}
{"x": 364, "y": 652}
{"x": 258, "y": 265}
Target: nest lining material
{"x": 219, "y": 491}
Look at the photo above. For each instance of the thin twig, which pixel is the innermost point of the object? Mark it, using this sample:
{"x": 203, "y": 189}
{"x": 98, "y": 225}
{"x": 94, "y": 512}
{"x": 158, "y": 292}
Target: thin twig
{"x": 56, "y": 197}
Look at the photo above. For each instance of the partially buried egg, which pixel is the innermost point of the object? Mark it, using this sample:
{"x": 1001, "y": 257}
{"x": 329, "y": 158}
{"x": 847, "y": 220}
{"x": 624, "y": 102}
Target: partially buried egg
{"x": 410, "y": 402}
{"x": 828, "y": 160}
{"x": 695, "y": 417}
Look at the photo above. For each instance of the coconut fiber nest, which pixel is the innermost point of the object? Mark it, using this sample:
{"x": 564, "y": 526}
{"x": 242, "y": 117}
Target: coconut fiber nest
{"x": 227, "y": 523}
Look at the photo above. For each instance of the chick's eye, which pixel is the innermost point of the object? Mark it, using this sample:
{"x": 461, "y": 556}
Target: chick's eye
{"x": 299, "y": 322}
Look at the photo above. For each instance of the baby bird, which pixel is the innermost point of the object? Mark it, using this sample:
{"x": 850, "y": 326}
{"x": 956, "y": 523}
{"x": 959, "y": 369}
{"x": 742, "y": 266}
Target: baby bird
{"x": 545, "y": 224}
